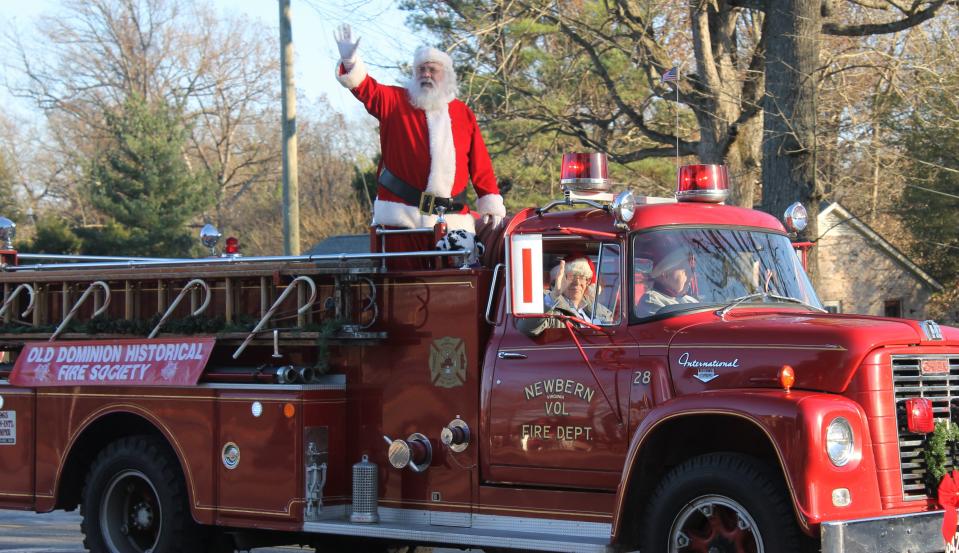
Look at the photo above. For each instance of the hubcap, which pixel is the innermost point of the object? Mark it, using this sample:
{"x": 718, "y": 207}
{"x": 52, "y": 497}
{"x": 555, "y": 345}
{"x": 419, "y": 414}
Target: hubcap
{"x": 714, "y": 524}
{"x": 130, "y": 515}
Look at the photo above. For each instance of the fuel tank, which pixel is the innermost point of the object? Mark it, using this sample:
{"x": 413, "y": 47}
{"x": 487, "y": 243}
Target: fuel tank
{"x": 748, "y": 347}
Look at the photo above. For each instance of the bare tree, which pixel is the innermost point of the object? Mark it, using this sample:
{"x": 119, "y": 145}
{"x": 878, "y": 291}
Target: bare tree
{"x": 235, "y": 109}
{"x": 793, "y": 66}
{"x": 220, "y": 72}
{"x": 592, "y": 72}
{"x": 329, "y": 148}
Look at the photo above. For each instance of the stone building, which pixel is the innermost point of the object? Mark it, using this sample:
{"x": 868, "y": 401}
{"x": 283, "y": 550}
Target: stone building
{"x": 863, "y": 273}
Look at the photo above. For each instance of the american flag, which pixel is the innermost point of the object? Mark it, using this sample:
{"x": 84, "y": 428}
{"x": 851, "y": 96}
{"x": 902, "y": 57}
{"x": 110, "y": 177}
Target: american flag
{"x": 670, "y": 75}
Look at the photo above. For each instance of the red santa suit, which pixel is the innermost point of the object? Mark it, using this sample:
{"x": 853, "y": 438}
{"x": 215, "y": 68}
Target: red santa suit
{"x": 438, "y": 152}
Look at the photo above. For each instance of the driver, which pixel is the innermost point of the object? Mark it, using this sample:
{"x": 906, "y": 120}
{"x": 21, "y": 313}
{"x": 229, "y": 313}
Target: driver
{"x": 671, "y": 280}
{"x": 570, "y": 297}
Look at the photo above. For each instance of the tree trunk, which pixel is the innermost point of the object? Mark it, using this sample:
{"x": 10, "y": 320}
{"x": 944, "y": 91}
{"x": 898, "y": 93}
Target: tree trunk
{"x": 789, "y": 146}
{"x": 744, "y": 163}
{"x": 718, "y": 99}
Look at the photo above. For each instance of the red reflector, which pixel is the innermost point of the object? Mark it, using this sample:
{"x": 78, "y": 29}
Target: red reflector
{"x": 919, "y": 417}
{"x": 934, "y": 366}
{"x": 702, "y": 183}
{"x": 584, "y": 171}
{"x": 232, "y": 245}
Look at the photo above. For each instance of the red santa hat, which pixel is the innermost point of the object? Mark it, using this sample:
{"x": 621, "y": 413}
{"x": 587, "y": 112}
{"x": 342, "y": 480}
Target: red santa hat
{"x": 425, "y": 54}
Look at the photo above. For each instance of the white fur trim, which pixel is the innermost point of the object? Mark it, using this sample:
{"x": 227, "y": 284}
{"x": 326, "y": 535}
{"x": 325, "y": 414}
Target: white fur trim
{"x": 395, "y": 214}
{"x": 424, "y": 54}
{"x": 352, "y": 78}
{"x": 491, "y": 204}
{"x": 442, "y": 153}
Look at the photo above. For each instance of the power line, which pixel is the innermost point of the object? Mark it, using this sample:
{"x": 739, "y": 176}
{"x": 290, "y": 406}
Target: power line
{"x": 946, "y": 194}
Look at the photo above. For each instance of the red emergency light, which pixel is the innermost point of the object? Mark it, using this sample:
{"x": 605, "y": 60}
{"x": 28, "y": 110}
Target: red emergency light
{"x": 919, "y": 419}
{"x": 702, "y": 183}
{"x": 232, "y": 246}
{"x": 584, "y": 172}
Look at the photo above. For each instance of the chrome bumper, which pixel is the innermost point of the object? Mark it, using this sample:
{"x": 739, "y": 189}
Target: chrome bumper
{"x": 915, "y": 533}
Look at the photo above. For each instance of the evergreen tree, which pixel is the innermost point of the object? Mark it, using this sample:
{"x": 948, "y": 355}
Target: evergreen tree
{"x": 53, "y": 235}
{"x": 143, "y": 186}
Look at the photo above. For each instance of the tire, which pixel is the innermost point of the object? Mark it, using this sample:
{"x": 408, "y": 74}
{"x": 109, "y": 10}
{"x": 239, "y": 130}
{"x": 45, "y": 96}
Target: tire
{"x": 135, "y": 501}
{"x": 721, "y": 502}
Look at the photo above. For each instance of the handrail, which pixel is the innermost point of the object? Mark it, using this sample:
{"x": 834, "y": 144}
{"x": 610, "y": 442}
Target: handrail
{"x": 266, "y": 316}
{"x": 14, "y": 294}
{"x": 384, "y": 231}
{"x": 492, "y": 292}
{"x": 189, "y": 285}
{"x": 79, "y": 302}
{"x": 68, "y": 257}
{"x": 341, "y": 257}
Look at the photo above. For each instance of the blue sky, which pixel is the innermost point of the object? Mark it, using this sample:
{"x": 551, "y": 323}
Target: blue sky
{"x": 386, "y": 40}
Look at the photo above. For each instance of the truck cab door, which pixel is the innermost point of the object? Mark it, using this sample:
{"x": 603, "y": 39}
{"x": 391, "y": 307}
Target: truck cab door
{"x": 554, "y": 418}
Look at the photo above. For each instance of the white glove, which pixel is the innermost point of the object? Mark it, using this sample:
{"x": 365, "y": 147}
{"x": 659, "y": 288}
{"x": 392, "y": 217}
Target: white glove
{"x": 490, "y": 219}
{"x": 346, "y": 45}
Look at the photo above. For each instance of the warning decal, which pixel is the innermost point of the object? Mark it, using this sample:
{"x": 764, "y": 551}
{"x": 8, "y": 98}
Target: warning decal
{"x": 8, "y": 427}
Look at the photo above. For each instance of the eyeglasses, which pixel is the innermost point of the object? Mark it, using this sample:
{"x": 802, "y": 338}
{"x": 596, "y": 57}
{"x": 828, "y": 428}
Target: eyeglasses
{"x": 579, "y": 278}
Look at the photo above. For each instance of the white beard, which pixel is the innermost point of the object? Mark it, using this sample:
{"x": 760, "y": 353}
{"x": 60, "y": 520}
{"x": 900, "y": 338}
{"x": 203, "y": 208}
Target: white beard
{"x": 428, "y": 98}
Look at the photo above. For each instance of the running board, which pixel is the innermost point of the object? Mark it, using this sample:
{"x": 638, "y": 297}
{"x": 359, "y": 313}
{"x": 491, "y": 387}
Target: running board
{"x": 532, "y": 534}
{"x": 463, "y": 536}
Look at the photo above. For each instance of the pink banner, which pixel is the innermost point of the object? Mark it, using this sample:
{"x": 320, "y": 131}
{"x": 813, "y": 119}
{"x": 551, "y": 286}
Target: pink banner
{"x": 142, "y": 362}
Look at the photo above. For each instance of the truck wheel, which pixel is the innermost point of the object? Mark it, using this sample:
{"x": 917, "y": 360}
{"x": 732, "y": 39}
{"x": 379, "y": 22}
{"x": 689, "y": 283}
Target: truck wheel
{"x": 721, "y": 502}
{"x": 135, "y": 501}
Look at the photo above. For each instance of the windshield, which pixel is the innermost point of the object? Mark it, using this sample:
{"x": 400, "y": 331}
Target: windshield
{"x": 681, "y": 269}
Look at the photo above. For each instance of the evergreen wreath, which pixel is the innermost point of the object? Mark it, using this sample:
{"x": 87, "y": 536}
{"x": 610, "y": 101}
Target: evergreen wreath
{"x": 937, "y": 450}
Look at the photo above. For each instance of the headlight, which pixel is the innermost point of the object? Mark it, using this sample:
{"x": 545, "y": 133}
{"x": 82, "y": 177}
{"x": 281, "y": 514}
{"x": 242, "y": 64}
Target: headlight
{"x": 839, "y": 441}
{"x": 796, "y": 217}
{"x": 624, "y": 207}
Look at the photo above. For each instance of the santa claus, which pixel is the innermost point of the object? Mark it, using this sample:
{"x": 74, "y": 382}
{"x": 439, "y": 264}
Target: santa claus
{"x": 430, "y": 141}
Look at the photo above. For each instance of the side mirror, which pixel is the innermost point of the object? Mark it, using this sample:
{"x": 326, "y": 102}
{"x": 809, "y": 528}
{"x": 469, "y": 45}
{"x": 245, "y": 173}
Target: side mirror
{"x": 525, "y": 274}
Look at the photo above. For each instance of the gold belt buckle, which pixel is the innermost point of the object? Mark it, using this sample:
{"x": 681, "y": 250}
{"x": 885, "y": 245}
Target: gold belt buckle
{"x": 427, "y": 203}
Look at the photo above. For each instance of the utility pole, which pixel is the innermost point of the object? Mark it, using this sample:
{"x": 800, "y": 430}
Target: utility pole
{"x": 291, "y": 188}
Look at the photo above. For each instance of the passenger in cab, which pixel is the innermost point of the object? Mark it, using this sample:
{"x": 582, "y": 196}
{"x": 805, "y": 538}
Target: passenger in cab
{"x": 671, "y": 281}
{"x": 569, "y": 296}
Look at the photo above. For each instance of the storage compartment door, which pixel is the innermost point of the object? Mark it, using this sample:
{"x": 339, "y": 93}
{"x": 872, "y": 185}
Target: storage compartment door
{"x": 259, "y": 474}
{"x": 17, "y": 452}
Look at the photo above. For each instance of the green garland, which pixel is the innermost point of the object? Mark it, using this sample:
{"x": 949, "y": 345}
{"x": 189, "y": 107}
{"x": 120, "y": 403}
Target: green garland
{"x": 936, "y": 451}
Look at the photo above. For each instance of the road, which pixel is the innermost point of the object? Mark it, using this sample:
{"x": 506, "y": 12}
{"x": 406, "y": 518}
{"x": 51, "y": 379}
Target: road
{"x": 59, "y": 532}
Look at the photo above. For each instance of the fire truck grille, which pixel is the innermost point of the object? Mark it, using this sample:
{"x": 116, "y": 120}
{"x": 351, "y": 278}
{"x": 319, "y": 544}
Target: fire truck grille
{"x": 909, "y": 382}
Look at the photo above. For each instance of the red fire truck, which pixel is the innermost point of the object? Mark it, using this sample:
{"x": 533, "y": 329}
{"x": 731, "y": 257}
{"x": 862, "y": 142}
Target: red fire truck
{"x": 615, "y": 373}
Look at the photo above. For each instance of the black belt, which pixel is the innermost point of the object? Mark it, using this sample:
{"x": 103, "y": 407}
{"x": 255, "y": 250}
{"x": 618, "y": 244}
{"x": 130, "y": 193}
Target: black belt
{"x": 424, "y": 201}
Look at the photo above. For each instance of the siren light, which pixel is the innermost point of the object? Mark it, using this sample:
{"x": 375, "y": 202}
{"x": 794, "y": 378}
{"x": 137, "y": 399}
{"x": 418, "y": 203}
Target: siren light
{"x": 702, "y": 183}
{"x": 584, "y": 172}
{"x": 232, "y": 246}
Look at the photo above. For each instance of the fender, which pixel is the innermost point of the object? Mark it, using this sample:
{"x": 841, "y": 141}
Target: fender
{"x": 133, "y": 410}
{"x": 795, "y": 424}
